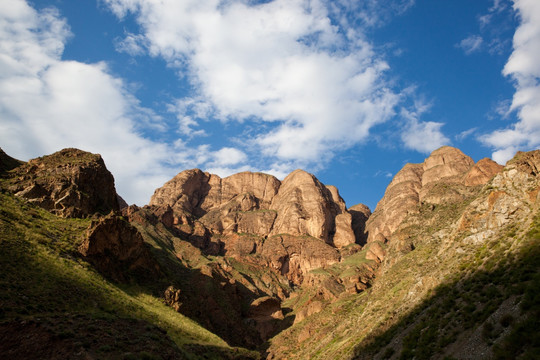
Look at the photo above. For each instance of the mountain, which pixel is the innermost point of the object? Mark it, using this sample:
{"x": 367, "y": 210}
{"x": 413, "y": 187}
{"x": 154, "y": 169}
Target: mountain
{"x": 447, "y": 266}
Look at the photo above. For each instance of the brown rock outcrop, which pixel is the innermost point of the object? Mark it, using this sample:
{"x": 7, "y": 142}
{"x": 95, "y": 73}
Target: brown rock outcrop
{"x": 173, "y": 298}
{"x": 512, "y": 194}
{"x": 400, "y": 199}
{"x": 69, "y": 183}
{"x": 295, "y": 256}
{"x": 443, "y": 163}
{"x": 481, "y": 172}
{"x": 266, "y": 313}
{"x": 117, "y": 250}
{"x": 255, "y": 203}
{"x": 198, "y": 193}
{"x": 375, "y": 252}
{"x": 443, "y": 177}
{"x": 307, "y": 207}
{"x": 184, "y": 192}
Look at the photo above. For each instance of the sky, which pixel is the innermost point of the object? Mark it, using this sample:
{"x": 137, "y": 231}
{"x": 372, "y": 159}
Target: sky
{"x": 348, "y": 90}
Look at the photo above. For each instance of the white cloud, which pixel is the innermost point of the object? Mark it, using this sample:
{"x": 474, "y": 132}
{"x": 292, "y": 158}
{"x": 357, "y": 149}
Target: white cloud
{"x": 190, "y": 112}
{"x": 422, "y": 136}
{"x": 471, "y": 44}
{"x": 47, "y": 104}
{"x": 524, "y": 68}
{"x": 228, "y": 156}
{"x": 466, "y": 133}
{"x": 131, "y": 44}
{"x": 286, "y": 62}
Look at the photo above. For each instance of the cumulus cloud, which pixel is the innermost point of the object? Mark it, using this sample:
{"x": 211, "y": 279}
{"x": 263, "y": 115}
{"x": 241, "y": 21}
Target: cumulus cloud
{"x": 297, "y": 65}
{"x": 422, "y": 136}
{"x": 47, "y": 104}
{"x": 471, "y": 44}
{"x": 524, "y": 69}
{"x": 228, "y": 156}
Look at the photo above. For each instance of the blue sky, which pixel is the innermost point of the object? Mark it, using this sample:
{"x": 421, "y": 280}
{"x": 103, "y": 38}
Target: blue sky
{"x": 348, "y": 90}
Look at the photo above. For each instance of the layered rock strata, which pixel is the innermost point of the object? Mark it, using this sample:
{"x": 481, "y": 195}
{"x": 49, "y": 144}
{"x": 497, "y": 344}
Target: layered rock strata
{"x": 295, "y": 225}
{"x": 257, "y": 203}
{"x": 446, "y": 176}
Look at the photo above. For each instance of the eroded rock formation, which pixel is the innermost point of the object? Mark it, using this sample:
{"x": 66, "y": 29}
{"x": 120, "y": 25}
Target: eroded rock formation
{"x": 446, "y": 176}
{"x": 69, "y": 183}
{"x": 257, "y": 203}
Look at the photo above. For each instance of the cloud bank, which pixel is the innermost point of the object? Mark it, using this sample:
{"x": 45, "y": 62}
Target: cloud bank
{"x": 523, "y": 68}
{"x": 298, "y": 66}
{"x": 47, "y": 104}
{"x": 301, "y": 73}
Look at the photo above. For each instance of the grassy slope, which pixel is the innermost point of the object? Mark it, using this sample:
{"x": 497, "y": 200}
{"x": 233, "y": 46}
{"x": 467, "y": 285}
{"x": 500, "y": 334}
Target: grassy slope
{"x": 481, "y": 285}
{"x": 43, "y": 281}
{"x": 493, "y": 304}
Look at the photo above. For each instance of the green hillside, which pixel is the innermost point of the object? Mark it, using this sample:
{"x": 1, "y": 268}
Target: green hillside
{"x": 49, "y": 294}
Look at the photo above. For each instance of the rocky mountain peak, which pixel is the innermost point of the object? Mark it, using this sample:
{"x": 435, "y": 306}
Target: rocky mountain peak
{"x": 445, "y": 176}
{"x": 258, "y": 203}
{"x": 445, "y": 162}
{"x": 69, "y": 183}
{"x": 526, "y": 162}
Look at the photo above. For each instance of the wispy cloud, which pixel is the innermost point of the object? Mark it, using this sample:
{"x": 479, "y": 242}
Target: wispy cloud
{"x": 465, "y": 134}
{"x": 471, "y": 44}
{"x": 523, "y": 68}
{"x": 131, "y": 44}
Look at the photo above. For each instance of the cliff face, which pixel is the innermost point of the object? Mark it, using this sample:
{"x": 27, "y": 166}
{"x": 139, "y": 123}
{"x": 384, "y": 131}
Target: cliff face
{"x": 259, "y": 204}
{"x": 278, "y": 216}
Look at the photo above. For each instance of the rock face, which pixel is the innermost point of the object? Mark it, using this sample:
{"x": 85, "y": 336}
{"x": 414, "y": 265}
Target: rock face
{"x": 197, "y": 193}
{"x": 69, "y": 183}
{"x": 258, "y": 204}
{"x": 307, "y": 207}
{"x": 401, "y": 198}
{"x": 117, "y": 250}
{"x": 266, "y": 313}
{"x": 295, "y": 256}
{"x": 481, "y": 172}
{"x": 295, "y": 226}
{"x": 514, "y": 192}
{"x": 444, "y": 177}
